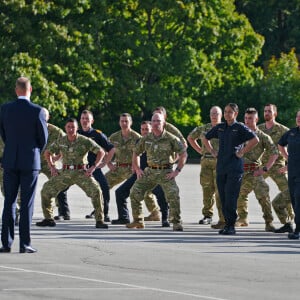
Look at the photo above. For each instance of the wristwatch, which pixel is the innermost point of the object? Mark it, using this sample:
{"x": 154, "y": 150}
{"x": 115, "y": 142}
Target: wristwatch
{"x": 265, "y": 169}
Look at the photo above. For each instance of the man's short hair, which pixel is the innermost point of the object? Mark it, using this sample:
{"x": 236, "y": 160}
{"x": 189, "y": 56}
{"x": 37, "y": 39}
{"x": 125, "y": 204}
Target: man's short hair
{"x": 251, "y": 111}
{"x": 272, "y": 105}
{"x": 72, "y": 120}
{"x": 126, "y": 115}
{"x": 23, "y": 83}
{"x": 87, "y": 112}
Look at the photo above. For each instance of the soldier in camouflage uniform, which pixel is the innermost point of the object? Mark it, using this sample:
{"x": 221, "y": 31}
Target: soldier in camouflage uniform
{"x": 74, "y": 150}
{"x": 253, "y": 174}
{"x": 208, "y": 169}
{"x": 54, "y": 133}
{"x": 124, "y": 141}
{"x": 159, "y": 146}
{"x": 282, "y": 202}
{"x": 149, "y": 201}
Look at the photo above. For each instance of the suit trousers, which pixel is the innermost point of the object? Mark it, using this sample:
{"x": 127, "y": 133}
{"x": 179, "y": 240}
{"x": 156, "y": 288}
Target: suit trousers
{"x": 12, "y": 181}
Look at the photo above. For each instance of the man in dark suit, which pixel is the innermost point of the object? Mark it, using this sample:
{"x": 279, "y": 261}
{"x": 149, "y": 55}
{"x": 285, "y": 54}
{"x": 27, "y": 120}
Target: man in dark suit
{"x": 23, "y": 128}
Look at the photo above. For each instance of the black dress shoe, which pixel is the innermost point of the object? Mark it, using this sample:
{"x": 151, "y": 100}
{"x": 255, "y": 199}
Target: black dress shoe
{"x": 106, "y": 218}
{"x": 287, "y": 227}
{"x": 45, "y": 223}
{"x": 120, "y": 221}
{"x": 228, "y": 230}
{"x": 165, "y": 223}
{"x": 100, "y": 224}
{"x": 27, "y": 249}
{"x": 293, "y": 235}
{"x": 5, "y": 250}
{"x": 91, "y": 215}
{"x": 205, "y": 221}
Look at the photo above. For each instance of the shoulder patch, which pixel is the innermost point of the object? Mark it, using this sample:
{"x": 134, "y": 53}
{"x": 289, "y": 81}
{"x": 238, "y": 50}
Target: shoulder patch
{"x": 98, "y": 130}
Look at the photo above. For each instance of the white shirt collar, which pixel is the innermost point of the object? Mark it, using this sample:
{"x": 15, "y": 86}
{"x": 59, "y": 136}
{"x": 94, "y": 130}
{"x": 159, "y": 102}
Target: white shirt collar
{"x": 24, "y": 97}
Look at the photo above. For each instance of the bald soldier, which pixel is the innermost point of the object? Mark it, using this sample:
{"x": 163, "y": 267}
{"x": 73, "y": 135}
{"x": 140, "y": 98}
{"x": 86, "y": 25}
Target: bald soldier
{"x": 160, "y": 145}
{"x": 208, "y": 169}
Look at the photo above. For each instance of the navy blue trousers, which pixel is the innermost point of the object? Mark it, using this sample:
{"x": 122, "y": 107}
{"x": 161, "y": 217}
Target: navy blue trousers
{"x": 294, "y": 188}
{"x": 123, "y": 191}
{"x": 12, "y": 181}
{"x": 229, "y": 186}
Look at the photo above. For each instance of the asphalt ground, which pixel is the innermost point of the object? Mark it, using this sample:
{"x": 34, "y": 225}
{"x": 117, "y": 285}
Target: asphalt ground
{"x": 77, "y": 261}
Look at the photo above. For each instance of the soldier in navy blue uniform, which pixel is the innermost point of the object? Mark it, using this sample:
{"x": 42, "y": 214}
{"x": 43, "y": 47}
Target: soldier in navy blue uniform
{"x": 86, "y": 121}
{"x": 289, "y": 146}
{"x": 235, "y": 139}
{"x": 123, "y": 191}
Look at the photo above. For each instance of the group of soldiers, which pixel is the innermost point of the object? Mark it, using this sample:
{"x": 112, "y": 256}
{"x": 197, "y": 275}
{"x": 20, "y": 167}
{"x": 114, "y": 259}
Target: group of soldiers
{"x": 148, "y": 157}
{"x": 144, "y": 164}
{"x": 264, "y": 160}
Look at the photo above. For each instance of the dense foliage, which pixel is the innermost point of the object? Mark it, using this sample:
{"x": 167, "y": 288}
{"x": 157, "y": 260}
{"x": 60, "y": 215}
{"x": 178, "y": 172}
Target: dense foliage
{"x": 128, "y": 55}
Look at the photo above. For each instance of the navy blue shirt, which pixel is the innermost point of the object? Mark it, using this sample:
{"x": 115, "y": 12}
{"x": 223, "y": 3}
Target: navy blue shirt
{"x": 100, "y": 138}
{"x": 231, "y": 139}
{"x": 291, "y": 139}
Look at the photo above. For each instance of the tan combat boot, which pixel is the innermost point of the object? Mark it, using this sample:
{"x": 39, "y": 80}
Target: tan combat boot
{"x": 177, "y": 227}
{"x": 241, "y": 222}
{"x": 219, "y": 225}
{"x": 269, "y": 227}
{"x": 136, "y": 224}
{"x": 154, "y": 216}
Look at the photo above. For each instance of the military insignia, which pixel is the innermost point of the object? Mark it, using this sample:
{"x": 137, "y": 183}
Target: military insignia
{"x": 98, "y": 130}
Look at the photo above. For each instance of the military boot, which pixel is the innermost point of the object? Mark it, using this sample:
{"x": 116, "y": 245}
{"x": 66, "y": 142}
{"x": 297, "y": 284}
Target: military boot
{"x": 241, "y": 222}
{"x": 139, "y": 224}
{"x": 177, "y": 227}
{"x": 154, "y": 216}
{"x": 219, "y": 225}
{"x": 269, "y": 227}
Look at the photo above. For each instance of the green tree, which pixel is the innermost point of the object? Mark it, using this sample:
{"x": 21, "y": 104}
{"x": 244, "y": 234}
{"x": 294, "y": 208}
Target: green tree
{"x": 128, "y": 55}
{"x": 281, "y": 86}
{"x": 178, "y": 54}
{"x": 277, "y": 21}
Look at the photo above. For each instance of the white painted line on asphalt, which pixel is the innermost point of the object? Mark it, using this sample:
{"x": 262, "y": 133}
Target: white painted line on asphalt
{"x": 72, "y": 289}
{"x": 114, "y": 283}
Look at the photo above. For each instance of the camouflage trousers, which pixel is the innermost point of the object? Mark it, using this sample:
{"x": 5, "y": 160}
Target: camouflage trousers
{"x": 117, "y": 176}
{"x": 209, "y": 188}
{"x": 261, "y": 190}
{"x": 123, "y": 173}
{"x": 151, "y": 202}
{"x": 146, "y": 183}
{"x": 65, "y": 179}
{"x": 282, "y": 202}
{"x": 45, "y": 170}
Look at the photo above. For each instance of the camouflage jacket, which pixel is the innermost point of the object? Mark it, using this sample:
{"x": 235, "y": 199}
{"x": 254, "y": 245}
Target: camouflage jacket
{"x": 265, "y": 147}
{"x": 199, "y": 133}
{"x": 76, "y": 152}
{"x": 124, "y": 147}
{"x": 159, "y": 150}
{"x": 174, "y": 130}
{"x": 276, "y": 132}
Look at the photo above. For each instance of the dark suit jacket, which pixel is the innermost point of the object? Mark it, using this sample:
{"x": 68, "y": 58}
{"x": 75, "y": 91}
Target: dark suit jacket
{"x": 24, "y": 131}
